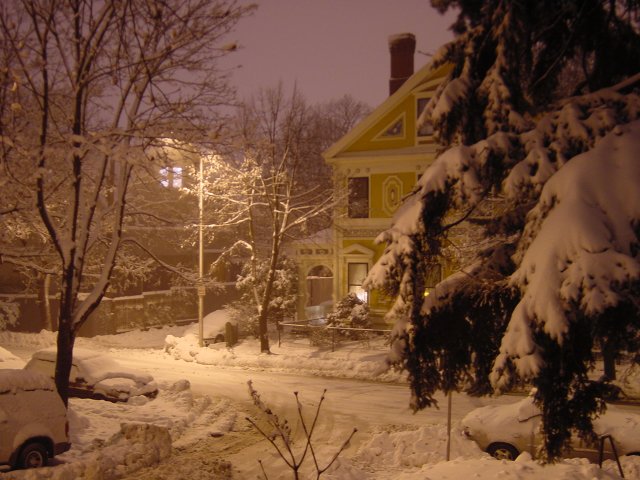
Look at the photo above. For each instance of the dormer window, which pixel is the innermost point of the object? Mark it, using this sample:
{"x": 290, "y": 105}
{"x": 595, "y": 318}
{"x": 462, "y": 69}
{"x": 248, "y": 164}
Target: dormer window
{"x": 171, "y": 177}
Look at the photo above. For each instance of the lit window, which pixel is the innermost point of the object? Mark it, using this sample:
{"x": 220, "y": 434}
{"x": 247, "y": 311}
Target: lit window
{"x": 356, "y": 274}
{"x": 359, "y": 197}
{"x": 433, "y": 277}
{"x": 171, "y": 177}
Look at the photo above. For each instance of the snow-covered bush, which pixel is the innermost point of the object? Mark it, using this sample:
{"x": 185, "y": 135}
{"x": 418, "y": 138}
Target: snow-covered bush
{"x": 350, "y": 312}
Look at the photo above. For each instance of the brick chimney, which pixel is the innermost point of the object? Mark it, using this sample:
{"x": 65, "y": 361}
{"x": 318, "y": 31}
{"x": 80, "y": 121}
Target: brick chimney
{"x": 402, "y": 48}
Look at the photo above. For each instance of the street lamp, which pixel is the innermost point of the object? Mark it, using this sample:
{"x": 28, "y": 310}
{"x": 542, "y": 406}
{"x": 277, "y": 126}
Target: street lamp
{"x": 201, "y": 289}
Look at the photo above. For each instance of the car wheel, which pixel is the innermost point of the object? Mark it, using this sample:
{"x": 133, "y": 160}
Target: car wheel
{"x": 503, "y": 451}
{"x": 33, "y": 455}
{"x": 219, "y": 338}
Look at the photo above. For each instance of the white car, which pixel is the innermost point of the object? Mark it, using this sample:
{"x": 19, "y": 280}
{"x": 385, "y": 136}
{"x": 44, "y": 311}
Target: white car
{"x": 33, "y": 420}
{"x": 505, "y": 431}
{"x": 96, "y": 375}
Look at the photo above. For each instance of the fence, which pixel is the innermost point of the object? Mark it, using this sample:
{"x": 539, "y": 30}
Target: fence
{"x": 321, "y": 334}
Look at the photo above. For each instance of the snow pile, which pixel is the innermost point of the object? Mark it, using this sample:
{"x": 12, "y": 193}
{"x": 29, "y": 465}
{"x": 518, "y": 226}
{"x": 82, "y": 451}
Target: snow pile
{"x": 408, "y": 448}
{"x": 43, "y": 339}
{"x": 523, "y": 468}
{"x": 137, "y": 436}
{"x": 629, "y": 381}
{"x": 355, "y": 363}
{"x": 420, "y": 454}
{"x": 135, "y": 446}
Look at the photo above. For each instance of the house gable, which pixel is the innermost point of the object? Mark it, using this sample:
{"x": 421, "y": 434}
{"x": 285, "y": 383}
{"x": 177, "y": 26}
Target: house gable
{"x": 393, "y": 124}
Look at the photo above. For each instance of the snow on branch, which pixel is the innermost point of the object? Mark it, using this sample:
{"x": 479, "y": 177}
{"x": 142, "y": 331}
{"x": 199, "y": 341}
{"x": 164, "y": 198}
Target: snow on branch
{"x": 579, "y": 247}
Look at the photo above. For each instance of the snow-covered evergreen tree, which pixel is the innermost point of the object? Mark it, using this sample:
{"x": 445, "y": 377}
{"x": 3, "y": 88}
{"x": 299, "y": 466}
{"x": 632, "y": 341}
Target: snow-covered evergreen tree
{"x": 541, "y": 119}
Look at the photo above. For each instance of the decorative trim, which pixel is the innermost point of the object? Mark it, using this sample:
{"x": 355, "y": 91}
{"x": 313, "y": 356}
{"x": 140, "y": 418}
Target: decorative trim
{"x": 392, "y": 193}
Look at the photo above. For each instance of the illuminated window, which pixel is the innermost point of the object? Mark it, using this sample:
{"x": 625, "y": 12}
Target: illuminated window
{"x": 356, "y": 273}
{"x": 171, "y": 177}
{"x": 433, "y": 277}
{"x": 359, "y": 197}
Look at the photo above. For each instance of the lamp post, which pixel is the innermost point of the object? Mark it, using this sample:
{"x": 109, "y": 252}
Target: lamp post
{"x": 201, "y": 289}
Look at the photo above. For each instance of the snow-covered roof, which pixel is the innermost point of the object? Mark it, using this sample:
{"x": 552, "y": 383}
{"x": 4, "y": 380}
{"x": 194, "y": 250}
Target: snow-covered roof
{"x": 96, "y": 366}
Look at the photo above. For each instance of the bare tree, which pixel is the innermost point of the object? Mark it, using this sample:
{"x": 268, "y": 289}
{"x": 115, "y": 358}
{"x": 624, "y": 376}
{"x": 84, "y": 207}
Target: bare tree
{"x": 93, "y": 85}
{"x": 278, "y": 146}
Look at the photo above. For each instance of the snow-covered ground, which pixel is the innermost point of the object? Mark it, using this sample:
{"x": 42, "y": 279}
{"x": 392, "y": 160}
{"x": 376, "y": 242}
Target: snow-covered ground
{"x": 184, "y": 434}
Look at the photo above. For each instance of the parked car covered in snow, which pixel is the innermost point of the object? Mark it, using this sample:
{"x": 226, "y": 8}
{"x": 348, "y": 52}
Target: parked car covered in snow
{"x": 214, "y": 327}
{"x": 9, "y": 360}
{"x": 505, "y": 431}
{"x": 33, "y": 419}
{"x": 96, "y": 375}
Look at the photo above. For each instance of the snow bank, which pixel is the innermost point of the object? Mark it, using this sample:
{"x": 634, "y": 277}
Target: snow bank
{"x": 420, "y": 454}
{"x": 523, "y": 468}
{"x": 137, "y": 436}
{"x": 135, "y": 446}
{"x": 358, "y": 363}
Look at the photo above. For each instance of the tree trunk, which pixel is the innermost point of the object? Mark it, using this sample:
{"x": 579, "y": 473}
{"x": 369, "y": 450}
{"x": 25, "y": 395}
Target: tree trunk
{"x": 609, "y": 359}
{"x": 45, "y": 304}
{"x": 64, "y": 356}
{"x": 266, "y": 299}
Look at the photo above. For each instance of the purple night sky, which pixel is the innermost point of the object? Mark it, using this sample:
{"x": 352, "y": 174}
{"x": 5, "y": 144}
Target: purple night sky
{"x": 331, "y": 47}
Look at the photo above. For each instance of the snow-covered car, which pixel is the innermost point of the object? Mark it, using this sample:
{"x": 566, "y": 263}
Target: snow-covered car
{"x": 96, "y": 375}
{"x": 33, "y": 420}
{"x": 505, "y": 431}
{"x": 214, "y": 326}
{"x": 9, "y": 360}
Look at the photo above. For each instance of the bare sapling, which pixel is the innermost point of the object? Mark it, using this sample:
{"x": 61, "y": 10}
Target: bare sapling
{"x": 280, "y": 436}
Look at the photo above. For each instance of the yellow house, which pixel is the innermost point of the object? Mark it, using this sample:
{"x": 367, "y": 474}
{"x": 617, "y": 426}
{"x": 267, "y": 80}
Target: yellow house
{"x": 377, "y": 163}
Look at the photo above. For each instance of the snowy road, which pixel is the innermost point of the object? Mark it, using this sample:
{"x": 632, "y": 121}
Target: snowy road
{"x": 368, "y": 406}
{"x": 219, "y": 443}
{"x": 361, "y": 402}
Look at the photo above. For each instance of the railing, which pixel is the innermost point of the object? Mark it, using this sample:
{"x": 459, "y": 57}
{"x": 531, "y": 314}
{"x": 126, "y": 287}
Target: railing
{"x": 309, "y": 328}
{"x": 602, "y": 439}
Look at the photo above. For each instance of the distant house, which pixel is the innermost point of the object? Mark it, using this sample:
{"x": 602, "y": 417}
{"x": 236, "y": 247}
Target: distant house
{"x": 377, "y": 163}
